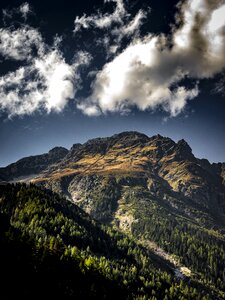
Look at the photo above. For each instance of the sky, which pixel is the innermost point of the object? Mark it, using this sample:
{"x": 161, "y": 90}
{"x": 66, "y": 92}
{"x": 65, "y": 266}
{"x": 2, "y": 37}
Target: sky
{"x": 75, "y": 70}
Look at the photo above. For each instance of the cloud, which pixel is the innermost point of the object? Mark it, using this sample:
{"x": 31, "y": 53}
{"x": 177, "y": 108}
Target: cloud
{"x": 19, "y": 44}
{"x": 120, "y": 22}
{"x": 45, "y": 82}
{"x": 134, "y": 25}
{"x": 200, "y": 42}
{"x": 23, "y": 10}
{"x": 48, "y": 83}
{"x": 57, "y": 77}
{"x": 147, "y": 72}
{"x": 100, "y": 20}
{"x": 150, "y": 72}
{"x": 219, "y": 87}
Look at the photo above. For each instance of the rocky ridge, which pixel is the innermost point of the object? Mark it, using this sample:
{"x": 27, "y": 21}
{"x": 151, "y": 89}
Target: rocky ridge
{"x": 33, "y": 164}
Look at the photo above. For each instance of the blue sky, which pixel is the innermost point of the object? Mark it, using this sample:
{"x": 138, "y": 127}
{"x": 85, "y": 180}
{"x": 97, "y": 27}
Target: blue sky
{"x": 73, "y": 71}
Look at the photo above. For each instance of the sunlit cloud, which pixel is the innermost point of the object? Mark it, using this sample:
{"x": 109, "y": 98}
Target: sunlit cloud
{"x": 19, "y": 44}
{"x": 46, "y": 82}
{"x": 145, "y": 71}
{"x": 148, "y": 73}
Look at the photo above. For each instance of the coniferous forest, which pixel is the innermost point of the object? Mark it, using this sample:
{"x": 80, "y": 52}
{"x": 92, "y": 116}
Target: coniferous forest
{"x": 51, "y": 248}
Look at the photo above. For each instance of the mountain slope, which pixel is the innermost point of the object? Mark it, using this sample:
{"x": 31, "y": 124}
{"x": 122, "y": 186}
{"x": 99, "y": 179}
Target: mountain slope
{"x": 28, "y": 166}
{"x": 158, "y": 163}
{"x": 154, "y": 189}
{"x": 50, "y": 247}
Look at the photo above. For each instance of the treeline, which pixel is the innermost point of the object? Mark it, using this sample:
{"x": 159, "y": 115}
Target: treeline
{"x": 51, "y": 248}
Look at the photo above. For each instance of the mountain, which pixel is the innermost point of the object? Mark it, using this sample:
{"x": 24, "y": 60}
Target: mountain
{"x": 51, "y": 248}
{"x": 153, "y": 189}
{"x": 29, "y": 166}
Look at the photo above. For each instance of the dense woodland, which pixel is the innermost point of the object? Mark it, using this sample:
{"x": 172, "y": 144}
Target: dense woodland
{"x": 192, "y": 240}
{"x": 51, "y": 248}
{"x": 201, "y": 249}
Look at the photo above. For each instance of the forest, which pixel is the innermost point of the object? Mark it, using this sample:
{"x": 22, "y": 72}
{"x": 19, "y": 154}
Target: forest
{"x": 52, "y": 248}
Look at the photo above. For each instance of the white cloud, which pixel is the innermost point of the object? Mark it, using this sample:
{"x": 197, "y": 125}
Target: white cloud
{"x": 148, "y": 73}
{"x": 200, "y": 42}
{"x": 19, "y": 44}
{"x": 45, "y": 82}
{"x": 100, "y": 20}
{"x": 135, "y": 24}
{"x": 120, "y": 22}
{"x": 130, "y": 28}
{"x": 58, "y": 77}
{"x": 18, "y": 95}
{"x": 90, "y": 110}
{"x": 25, "y": 9}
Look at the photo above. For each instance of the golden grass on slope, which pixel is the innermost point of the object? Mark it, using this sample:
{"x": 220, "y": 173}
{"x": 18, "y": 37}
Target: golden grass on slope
{"x": 55, "y": 175}
{"x": 88, "y": 159}
{"x": 177, "y": 173}
{"x": 149, "y": 148}
{"x": 64, "y": 172}
{"x": 117, "y": 159}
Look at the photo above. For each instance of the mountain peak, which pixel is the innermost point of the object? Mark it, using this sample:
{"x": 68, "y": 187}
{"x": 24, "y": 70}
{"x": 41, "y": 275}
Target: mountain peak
{"x": 183, "y": 150}
{"x": 157, "y": 136}
{"x": 184, "y": 145}
{"x": 58, "y": 151}
{"x": 131, "y": 134}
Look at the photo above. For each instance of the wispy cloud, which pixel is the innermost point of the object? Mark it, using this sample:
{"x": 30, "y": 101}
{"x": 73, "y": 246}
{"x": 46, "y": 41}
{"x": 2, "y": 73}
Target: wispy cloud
{"x": 148, "y": 73}
{"x": 120, "y": 24}
{"x": 101, "y": 20}
{"x": 23, "y": 10}
{"x": 219, "y": 87}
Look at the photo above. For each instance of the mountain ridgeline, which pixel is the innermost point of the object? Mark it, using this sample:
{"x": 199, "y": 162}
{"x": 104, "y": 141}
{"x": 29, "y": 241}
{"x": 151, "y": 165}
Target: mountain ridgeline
{"x": 33, "y": 164}
{"x": 153, "y": 191}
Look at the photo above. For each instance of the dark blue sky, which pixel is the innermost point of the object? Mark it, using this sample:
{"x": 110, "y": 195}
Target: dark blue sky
{"x": 201, "y": 123}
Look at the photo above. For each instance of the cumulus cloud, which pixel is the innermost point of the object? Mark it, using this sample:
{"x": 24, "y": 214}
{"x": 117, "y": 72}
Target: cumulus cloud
{"x": 148, "y": 74}
{"x": 20, "y": 43}
{"x": 45, "y": 82}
